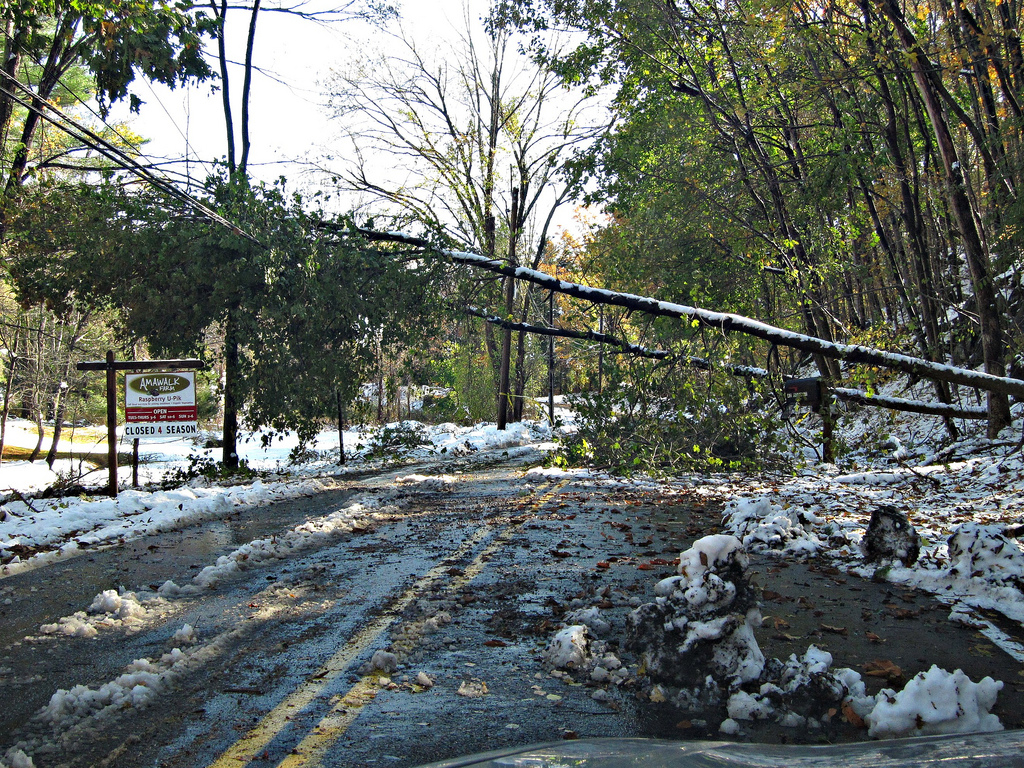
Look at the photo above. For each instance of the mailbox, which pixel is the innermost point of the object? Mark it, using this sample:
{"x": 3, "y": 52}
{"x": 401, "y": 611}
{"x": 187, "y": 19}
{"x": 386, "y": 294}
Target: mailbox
{"x": 809, "y": 390}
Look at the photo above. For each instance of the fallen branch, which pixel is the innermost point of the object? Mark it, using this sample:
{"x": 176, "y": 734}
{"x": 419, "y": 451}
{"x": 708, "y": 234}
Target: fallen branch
{"x": 727, "y": 322}
{"x": 912, "y": 406}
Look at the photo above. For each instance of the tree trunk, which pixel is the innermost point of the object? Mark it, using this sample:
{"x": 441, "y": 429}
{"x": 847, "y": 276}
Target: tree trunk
{"x": 229, "y": 454}
{"x": 963, "y": 213}
{"x": 12, "y": 356}
{"x": 59, "y": 409}
{"x": 39, "y": 433}
{"x": 510, "y": 298}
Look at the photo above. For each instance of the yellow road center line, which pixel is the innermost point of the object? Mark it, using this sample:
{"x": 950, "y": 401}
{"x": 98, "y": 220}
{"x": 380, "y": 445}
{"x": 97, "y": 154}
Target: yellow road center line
{"x": 249, "y": 746}
{"x": 311, "y": 750}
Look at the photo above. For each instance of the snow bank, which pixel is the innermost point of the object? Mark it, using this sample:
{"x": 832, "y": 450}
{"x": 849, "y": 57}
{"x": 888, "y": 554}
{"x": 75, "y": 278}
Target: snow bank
{"x": 983, "y": 551}
{"x": 761, "y": 525}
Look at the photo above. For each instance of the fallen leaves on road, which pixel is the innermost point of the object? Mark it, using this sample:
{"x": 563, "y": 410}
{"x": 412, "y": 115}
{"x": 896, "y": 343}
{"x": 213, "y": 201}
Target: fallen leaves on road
{"x": 834, "y": 630}
{"x": 883, "y": 668}
{"x": 473, "y": 688}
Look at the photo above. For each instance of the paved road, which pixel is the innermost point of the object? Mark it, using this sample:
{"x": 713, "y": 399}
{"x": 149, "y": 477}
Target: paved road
{"x": 464, "y": 586}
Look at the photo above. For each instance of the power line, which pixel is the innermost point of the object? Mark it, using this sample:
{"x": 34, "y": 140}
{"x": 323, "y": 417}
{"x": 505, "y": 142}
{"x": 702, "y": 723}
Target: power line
{"x": 113, "y": 153}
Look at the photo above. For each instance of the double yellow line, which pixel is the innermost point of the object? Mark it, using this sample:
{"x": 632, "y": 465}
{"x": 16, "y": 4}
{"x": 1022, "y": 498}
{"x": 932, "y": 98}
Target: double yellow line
{"x": 310, "y": 751}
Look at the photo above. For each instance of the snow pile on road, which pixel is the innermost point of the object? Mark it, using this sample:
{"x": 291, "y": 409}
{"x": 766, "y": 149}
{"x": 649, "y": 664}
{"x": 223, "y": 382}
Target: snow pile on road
{"x": 935, "y": 702}
{"x": 110, "y": 608}
{"x": 761, "y": 525}
{"x": 140, "y": 685}
{"x": 696, "y": 645}
{"x": 797, "y": 693}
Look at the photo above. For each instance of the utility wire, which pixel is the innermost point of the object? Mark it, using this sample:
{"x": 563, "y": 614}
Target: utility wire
{"x": 113, "y": 153}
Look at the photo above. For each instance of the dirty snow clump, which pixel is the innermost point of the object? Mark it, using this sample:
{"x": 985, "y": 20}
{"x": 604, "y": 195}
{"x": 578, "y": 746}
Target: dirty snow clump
{"x": 890, "y": 536}
{"x": 569, "y": 648}
{"x": 591, "y": 617}
{"x": 984, "y": 551}
{"x": 184, "y": 636}
{"x": 702, "y": 621}
{"x": 15, "y": 758}
{"x": 799, "y": 689}
{"x": 381, "y": 661}
{"x": 935, "y": 702}
{"x": 761, "y": 525}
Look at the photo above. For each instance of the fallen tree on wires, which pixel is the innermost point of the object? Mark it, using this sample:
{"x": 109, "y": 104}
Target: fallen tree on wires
{"x": 564, "y": 333}
{"x": 633, "y": 349}
{"x": 727, "y": 322}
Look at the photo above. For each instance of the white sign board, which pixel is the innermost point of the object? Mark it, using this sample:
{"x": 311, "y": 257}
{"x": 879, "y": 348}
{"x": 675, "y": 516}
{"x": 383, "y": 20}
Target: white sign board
{"x": 160, "y": 404}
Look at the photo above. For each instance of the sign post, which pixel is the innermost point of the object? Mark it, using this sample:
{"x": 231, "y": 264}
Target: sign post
{"x": 159, "y": 395}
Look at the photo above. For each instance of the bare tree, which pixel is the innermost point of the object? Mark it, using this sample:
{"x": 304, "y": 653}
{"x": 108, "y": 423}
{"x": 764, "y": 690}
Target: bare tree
{"x": 474, "y": 142}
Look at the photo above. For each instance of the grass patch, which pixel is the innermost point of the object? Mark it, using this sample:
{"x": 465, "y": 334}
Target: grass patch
{"x": 97, "y": 457}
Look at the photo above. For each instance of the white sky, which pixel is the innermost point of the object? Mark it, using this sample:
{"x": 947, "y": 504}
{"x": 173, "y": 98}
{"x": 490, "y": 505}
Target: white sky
{"x": 289, "y": 123}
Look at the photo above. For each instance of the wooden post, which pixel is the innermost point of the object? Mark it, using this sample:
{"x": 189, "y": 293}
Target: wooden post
{"x": 135, "y": 463}
{"x": 341, "y": 428}
{"x": 111, "y": 425}
{"x": 551, "y": 360}
{"x": 827, "y": 442}
{"x": 600, "y": 351}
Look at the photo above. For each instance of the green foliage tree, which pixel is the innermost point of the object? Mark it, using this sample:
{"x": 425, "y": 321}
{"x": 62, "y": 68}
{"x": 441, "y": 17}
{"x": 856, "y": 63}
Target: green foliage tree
{"x": 835, "y": 166}
{"x": 305, "y": 303}
{"x": 113, "y": 41}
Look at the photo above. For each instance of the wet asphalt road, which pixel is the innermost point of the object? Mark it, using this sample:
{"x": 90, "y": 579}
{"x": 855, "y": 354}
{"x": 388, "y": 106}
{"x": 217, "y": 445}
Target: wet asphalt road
{"x": 465, "y": 587}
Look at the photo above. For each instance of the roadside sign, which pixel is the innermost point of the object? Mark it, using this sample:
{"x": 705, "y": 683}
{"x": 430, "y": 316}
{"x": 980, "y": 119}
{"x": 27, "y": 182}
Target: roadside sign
{"x": 160, "y": 404}
{"x": 162, "y": 429}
